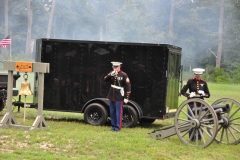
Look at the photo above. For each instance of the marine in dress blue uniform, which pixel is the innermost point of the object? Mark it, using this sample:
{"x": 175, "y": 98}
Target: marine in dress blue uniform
{"x": 198, "y": 88}
{"x": 118, "y": 94}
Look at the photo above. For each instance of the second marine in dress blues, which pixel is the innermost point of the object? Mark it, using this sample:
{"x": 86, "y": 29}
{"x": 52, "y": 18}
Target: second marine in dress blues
{"x": 196, "y": 86}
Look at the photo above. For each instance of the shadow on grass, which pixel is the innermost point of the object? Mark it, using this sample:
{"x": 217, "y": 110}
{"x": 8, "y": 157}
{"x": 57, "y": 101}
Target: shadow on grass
{"x": 154, "y": 125}
{"x": 108, "y": 123}
{"x": 64, "y": 119}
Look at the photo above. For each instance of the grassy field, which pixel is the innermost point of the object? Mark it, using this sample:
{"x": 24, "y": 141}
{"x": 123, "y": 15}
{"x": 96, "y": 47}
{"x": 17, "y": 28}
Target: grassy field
{"x": 70, "y": 138}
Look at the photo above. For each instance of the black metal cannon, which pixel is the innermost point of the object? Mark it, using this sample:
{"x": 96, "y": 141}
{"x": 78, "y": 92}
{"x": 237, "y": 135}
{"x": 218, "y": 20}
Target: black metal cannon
{"x": 198, "y": 123}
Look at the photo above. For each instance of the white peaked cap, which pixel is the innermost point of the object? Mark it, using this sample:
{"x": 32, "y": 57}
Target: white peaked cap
{"x": 198, "y": 70}
{"x": 116, "y": 63}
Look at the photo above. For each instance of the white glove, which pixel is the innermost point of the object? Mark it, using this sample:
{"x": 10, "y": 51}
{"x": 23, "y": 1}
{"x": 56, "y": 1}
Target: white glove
{"x": 201, "y": 92}
{"x": 125, "y": 100}
{"x": 113, "y": 73}
{"x": 192, "y": 94}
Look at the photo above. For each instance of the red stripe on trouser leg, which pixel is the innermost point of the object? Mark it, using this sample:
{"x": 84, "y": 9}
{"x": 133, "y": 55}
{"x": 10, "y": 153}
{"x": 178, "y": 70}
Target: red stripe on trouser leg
{"x": 121, "y": 113}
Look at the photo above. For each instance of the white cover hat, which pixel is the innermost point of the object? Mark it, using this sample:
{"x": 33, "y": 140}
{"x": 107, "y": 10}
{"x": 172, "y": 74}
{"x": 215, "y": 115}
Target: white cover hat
{"x": 198, "y": 70}
{"x": 115, "y": 64}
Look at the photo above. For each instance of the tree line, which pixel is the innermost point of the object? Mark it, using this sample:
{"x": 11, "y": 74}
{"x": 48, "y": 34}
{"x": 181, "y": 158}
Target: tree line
{"x": 206, "y": 30}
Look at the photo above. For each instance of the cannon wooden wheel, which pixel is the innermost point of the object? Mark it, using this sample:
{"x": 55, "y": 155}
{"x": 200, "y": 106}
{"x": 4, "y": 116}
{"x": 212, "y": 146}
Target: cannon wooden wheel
{"x": 196, "y": 123}
{"x": 229, "y": 126}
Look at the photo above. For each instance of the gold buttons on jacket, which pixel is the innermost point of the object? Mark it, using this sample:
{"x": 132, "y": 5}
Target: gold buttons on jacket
{"x": 197, "y": 87}
{"x": 115, "y": 78}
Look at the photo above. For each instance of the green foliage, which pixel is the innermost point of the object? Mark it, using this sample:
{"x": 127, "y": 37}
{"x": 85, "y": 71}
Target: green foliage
{"x": 186, "y": 75}
{"x": 21, "y": 56}
{"x": 218, "y": 75}
{"x": 236, "y": 75}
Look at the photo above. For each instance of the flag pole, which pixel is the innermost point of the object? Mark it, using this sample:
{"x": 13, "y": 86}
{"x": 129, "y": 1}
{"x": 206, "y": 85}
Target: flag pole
{"x": 11, "y": 46}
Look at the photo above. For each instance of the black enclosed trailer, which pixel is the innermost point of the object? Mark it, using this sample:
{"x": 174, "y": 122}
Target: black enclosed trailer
{"x": 75, "y": 82}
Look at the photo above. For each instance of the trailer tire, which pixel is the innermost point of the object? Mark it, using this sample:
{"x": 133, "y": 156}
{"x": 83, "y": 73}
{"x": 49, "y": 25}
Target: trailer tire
{"x": 95, "y": 114}
{"x": 130, "y": 116}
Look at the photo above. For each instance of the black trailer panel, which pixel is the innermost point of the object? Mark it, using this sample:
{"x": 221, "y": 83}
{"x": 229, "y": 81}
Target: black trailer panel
{"x": 77, "y": 69}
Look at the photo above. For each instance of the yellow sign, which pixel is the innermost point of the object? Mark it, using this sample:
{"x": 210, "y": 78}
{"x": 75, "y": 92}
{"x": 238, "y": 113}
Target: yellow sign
{"x": 23, "y": 66}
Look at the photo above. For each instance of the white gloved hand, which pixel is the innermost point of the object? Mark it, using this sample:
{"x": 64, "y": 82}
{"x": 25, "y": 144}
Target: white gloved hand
{"x": 192, "y": 94}
{"x": 125, "y": 100}
{"x": 201, "y": 92}
{"x": 113, "y": 73}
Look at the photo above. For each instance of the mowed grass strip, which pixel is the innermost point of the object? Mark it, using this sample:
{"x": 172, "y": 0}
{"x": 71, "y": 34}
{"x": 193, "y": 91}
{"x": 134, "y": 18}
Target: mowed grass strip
{"x": 69, "y": 137}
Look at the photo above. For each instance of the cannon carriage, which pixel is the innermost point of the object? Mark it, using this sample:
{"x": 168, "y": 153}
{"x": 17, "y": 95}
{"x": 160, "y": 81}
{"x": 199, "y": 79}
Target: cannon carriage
{"x": 197, "y": 123}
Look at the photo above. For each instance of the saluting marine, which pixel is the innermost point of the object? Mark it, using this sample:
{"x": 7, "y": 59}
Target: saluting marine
{"x": 197, "y": 86}
{"x": 119, "y": 92}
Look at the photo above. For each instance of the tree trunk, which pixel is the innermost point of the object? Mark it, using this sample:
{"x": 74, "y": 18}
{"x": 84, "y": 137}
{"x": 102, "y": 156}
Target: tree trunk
{"x": 51, "y": 19}
{"x": 101, "y": 31}
{"x": 6, "y": 18}
{"x": 170, "y": 31}
{"x": 29, "y": 30}
{"x": 220, "y": 34}
{"x": 54, "y": 27}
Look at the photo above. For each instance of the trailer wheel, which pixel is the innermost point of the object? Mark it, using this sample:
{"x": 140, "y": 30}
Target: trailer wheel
{"x": 193, "y": 120}
{"x": 229, "y": 127}
{"x": 130, "y": 116}
{"x": 95, "y": 114}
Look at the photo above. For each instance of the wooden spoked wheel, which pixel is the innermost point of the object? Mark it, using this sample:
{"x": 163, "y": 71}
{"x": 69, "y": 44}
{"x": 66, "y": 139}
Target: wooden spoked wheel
{"x": 229, "y": 125}
{"x": 196, "y": 123}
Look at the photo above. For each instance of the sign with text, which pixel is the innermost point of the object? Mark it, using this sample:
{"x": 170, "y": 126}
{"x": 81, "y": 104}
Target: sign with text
{"x": 23, "y": 66}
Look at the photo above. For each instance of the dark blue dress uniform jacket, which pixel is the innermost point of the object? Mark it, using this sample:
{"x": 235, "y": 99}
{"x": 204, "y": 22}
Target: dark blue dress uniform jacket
{"x": 119, "y": 80}
{"x": 195, "y": 85}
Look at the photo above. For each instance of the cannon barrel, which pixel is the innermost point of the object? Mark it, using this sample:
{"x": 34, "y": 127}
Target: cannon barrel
{"x": 224, "y": 107}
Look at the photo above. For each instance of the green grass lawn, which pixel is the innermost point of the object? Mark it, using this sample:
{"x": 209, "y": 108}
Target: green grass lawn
{"x": 70, "y": 138}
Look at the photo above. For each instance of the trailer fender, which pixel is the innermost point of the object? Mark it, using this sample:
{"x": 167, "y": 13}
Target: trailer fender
{"x": 136, "y": 107}
{"x": 104, "y": 101}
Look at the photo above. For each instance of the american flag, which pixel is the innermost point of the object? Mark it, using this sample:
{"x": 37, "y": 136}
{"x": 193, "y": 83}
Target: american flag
{"x": 5, "y": 42}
